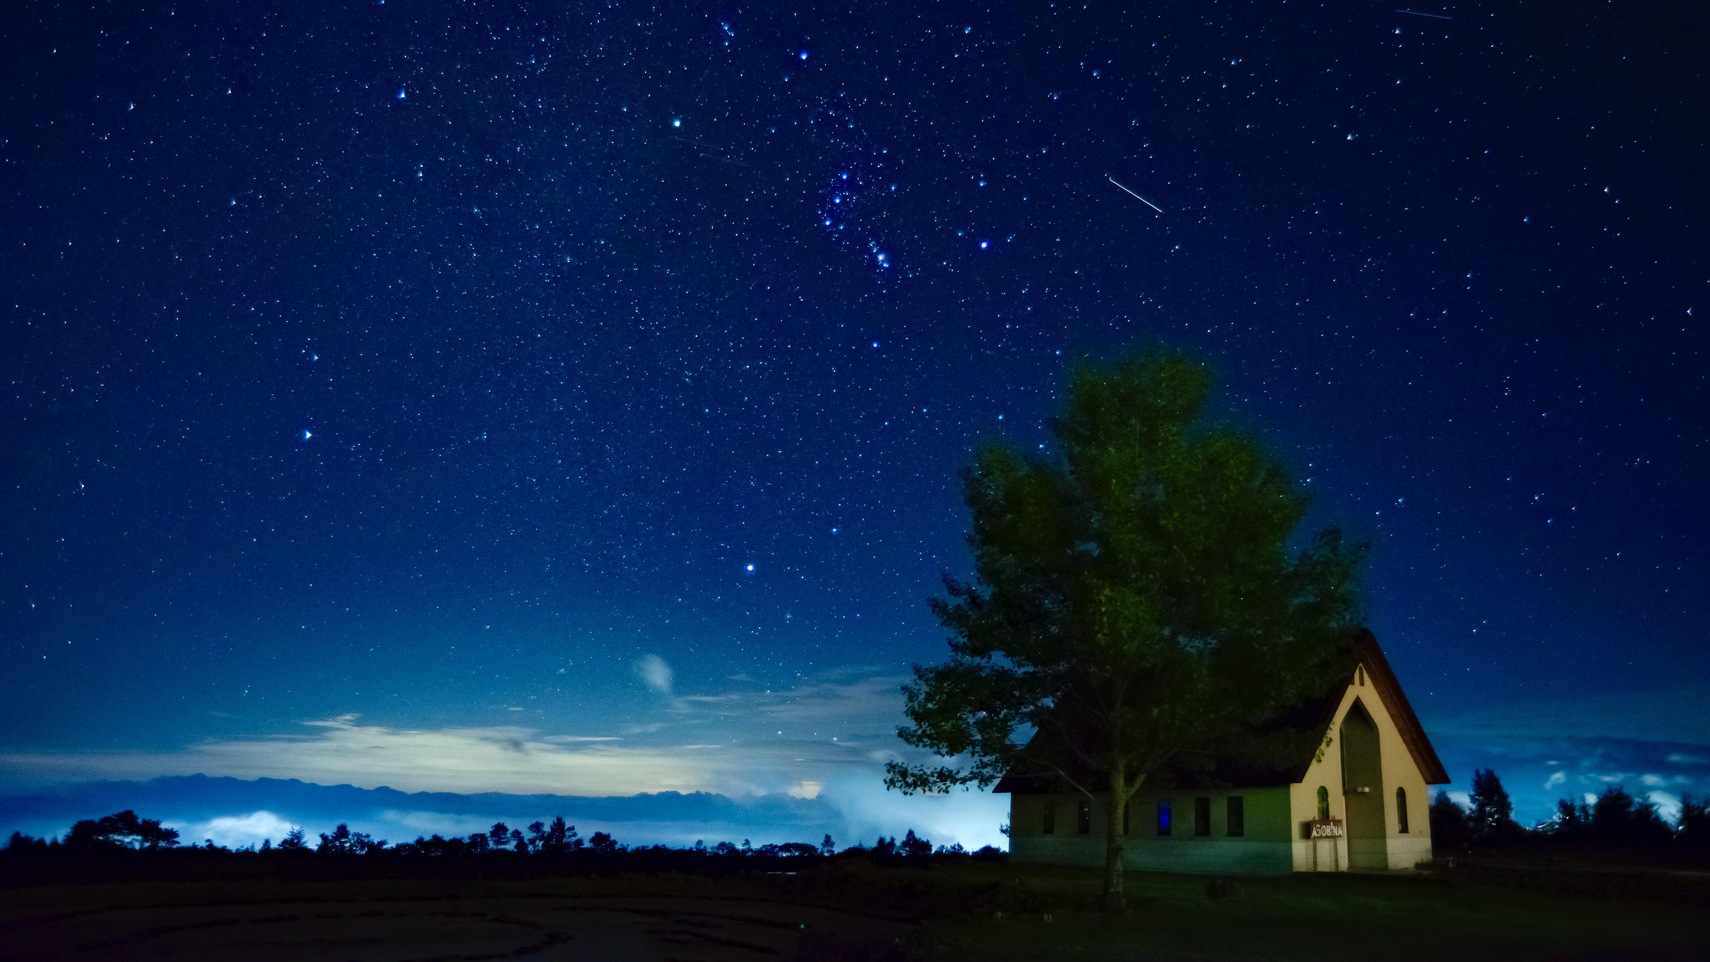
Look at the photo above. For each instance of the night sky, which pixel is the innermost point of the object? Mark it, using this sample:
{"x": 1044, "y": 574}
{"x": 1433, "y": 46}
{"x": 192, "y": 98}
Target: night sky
{"x": 568, "y": 398}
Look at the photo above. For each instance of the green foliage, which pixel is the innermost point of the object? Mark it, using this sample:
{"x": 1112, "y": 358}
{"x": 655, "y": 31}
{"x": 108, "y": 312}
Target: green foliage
{"x": 1134, "y": 597}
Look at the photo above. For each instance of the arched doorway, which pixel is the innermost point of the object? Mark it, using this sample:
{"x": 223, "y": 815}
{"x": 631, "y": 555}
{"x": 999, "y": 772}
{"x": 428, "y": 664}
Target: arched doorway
{"x": 1362, "y": 781}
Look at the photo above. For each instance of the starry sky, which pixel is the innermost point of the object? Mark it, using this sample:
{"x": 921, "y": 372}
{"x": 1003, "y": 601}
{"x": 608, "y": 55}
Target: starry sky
{"x": 568, "y": 398}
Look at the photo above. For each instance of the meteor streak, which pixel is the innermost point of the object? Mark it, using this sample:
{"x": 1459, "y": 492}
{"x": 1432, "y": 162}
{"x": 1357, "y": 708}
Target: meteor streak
{"x": 1133, "y": 194}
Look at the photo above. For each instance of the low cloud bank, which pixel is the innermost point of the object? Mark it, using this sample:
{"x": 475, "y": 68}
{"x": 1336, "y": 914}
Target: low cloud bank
{"x": 783, "y": 764}
{"x": 788, "y": 764}
{"x": 1548, "y": 749}
{"x": 234, "y": 813}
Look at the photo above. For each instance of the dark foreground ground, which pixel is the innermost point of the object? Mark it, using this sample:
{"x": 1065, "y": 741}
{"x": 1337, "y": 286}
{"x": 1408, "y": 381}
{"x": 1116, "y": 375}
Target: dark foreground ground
{"x": 857, "y": 911}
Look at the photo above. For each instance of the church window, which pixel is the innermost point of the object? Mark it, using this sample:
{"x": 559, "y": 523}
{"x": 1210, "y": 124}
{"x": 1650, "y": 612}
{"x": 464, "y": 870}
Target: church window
{"x": 1323, "y": 804}
{"x": 1202, "y": 816}
{"x": 1235, "y": 821}
{"x": 1163, "y": 816}
{"x": 1049, "y": 824}
{"x": 1401, "y": 810}
{"x": 1083, "y": 818}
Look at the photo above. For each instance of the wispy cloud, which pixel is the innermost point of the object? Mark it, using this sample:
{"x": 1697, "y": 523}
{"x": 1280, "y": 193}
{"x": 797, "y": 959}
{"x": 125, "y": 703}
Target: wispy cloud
{"x": 344, "y": 750}
{"x": 746, "y": 741}
{"x": 1667, "y": 803}
{"x": 824, "y": 740}
{"x": 655, "y": 674}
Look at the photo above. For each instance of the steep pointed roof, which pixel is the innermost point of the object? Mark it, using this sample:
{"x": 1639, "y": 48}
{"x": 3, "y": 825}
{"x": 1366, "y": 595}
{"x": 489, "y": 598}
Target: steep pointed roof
{"x": 1307, "y": 724}
{"x": 1400, "y": 711}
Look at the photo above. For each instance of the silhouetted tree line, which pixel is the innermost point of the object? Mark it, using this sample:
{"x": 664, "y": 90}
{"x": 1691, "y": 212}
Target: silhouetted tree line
{"x": 122, "y": 831}
{"x": 126, "y": 832}
{"x": 1615, "y": 822}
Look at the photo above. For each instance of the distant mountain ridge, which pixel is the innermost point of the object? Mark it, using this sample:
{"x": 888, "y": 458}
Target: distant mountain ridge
{"x": 668, "y": 817}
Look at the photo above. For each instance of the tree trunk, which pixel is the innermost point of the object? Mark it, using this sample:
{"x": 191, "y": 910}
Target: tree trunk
{"x": 1115, "y": 899}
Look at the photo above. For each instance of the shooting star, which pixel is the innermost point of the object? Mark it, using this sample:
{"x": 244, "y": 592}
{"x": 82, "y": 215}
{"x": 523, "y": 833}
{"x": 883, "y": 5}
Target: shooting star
{"x": 728, "y": 160}
{"x": 713, "y": 152}
{"x": 1133, "y": 194}
{"x": 1421, "y": 13}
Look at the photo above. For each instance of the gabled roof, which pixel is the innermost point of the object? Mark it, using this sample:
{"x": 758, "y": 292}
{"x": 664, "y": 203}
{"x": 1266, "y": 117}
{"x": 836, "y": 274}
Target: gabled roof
{"x": 1400, "y": 711}
{"x": 1301, "y": 728}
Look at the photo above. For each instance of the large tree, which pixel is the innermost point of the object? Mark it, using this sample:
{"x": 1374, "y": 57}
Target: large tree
{"x": 1492, "y": 816}
{"x": 1139, "y": 594}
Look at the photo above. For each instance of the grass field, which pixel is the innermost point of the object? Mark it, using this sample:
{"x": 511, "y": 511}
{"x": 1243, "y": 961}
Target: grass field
{"x": 1315, "y": 918}
{"x": 852, "y": 910}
